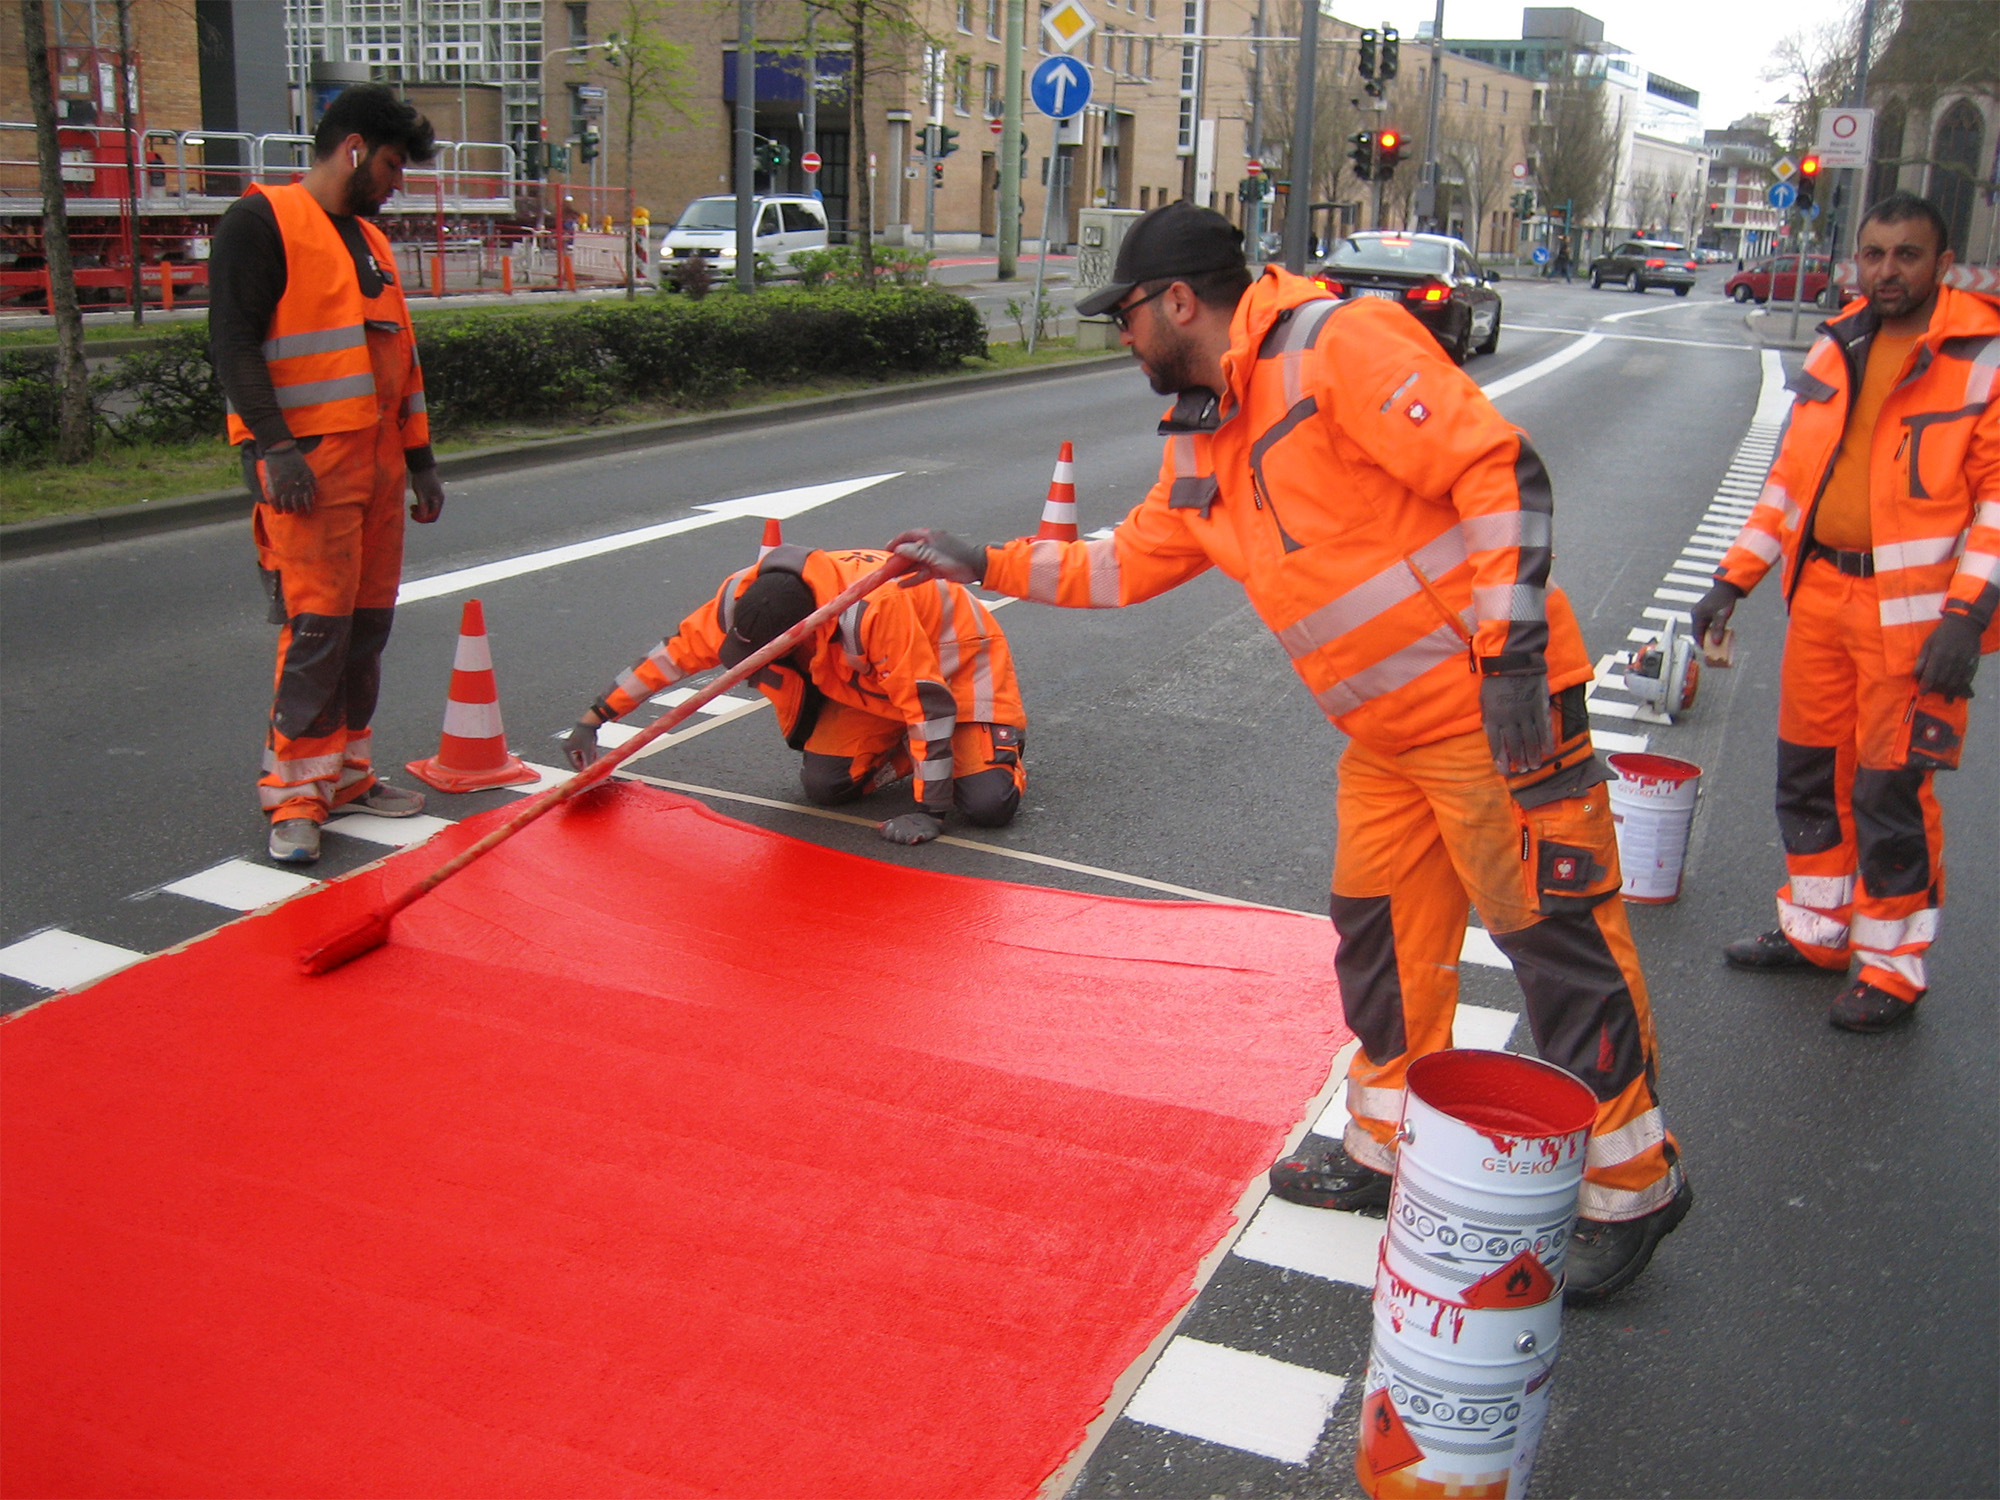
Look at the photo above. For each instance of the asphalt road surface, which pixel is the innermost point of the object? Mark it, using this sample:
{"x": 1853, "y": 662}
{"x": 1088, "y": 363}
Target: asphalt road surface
{"x": 1823, "y": 1323}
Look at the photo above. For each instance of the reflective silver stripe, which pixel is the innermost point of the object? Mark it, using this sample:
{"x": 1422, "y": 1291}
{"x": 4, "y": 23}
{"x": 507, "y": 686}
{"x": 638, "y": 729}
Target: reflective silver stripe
{"x": 633, "y": 686}
{"x": 1906, "y": 966}
{"x": 725, "y": 599}
{"x": 850, "y": 633}
{"x": 1914, "y": 609}
{"x": 937, "y": 729}
{"x": 349, "y": 775}
{"x": 982, "y": 682}
{"x": 1366, "y": 600}
{"x": 1633, "y": 1138}
{"x": 321, "y": 341}
{"x": 1815, "y": 929}
{"x": 1365, "y": 1149}
{"x": 1105, "y": 577}
{"x": 936, "y": 770}
{"x": 317, "y": 392}
{"x": 1395, "y": 670}
{"x": 1616, "y": 1205}
{"x": 1878, "y": 935}
{"x": 948, "y": 655}
{"x": 1762, "y": 543}
{"x": 473, "y": 721}
{"x": 1398, "y": 391}
{"x": 1984, "y": 566}
{"x": 1290, "y": 340}
{"x": 1044, "y": 570}
{"x": 1979, "y": 384}
{"x": 1520, "y": 601}
{"x": 305, "y": 768}
{"x": 1366, "y": 1103}
{"x": 269, "y": 797}
{"x": 1987, "y": 513}
{"x": 660, "y": 658}
{"x": 414, "y": 402}
{"x": 1917, "y": 553}
{"x": 1507, "y": 528}
{"x": 1827, "y": 892}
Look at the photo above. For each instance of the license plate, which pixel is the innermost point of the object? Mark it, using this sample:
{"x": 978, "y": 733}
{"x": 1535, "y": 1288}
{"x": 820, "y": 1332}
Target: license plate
{"x": 1373, "y": 291}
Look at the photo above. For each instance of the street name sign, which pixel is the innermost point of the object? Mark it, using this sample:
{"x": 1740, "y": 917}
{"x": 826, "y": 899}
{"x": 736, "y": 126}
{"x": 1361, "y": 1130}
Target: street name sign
{"x": 1068, "y": 24}
{"x": 1060, "y": 87}
{"x": 1782, "y": 195}
{"x": 1845, "y": 137}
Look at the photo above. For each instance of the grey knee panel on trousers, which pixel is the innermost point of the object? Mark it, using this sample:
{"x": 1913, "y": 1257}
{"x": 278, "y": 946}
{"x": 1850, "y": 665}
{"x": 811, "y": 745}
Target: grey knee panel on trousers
{"x": 826, "y": 779}
{"x": 987, "y": 798}
{"x": 1371, "y": 988}
{"x": 312, "y": 699}
{"x": 1892, "y": 845}
{"x": 1579, "y": 1006}
{"x": 1808, "y": 816}
{"x": 363, "y": 676}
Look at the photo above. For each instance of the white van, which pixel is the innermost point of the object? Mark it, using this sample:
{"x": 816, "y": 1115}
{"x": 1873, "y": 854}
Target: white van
{"x": 786, "y": 223}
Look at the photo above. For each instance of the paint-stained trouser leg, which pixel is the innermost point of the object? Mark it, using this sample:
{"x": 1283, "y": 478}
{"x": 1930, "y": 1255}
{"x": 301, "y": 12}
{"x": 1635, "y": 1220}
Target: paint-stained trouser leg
{"x": 1419, "y": 834}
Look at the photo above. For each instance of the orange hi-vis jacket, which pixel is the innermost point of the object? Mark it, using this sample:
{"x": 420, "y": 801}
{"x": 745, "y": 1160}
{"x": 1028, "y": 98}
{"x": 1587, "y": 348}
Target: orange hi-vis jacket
{"x": 1390, "y": 527}
{"x": 317, "y": 345}
{"x": 929, "y": 657}
{"x": 1933, "y": 476}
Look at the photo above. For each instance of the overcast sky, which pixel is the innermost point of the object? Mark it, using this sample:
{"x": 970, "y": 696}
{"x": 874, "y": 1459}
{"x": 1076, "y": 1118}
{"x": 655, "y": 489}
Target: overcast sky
{"x": 1720, "y": 47}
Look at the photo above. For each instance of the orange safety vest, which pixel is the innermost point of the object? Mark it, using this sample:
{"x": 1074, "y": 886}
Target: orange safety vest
{"x": 317, "y": 344}
{"x": 1390, "y": 527}
{"x": 1933, "y": 472}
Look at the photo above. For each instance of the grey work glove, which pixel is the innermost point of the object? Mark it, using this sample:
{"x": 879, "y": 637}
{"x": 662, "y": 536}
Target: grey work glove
{"x": 939, "y": 554}
{"x": 427, "y": 491}
{"x": 1711, "y": 613}
{"x": 1515, "y": 709}
{"x": 1950, "y": 657}
{"x": 580, "y": 746}
{"x": 913, "y": 828}
{"x": 289, "y": 485}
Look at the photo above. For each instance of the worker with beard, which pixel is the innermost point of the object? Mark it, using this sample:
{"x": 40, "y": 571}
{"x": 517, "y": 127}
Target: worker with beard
{"x": 1393, "y": 530}
{"x": 311, "y": 341}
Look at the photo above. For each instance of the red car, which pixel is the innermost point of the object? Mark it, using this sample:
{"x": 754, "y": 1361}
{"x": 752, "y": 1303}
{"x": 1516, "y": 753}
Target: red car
{"x": 1771, "y": 279}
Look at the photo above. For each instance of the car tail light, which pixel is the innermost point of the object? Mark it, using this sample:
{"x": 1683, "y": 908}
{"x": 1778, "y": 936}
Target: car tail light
{"x": 1654, "y": 265}
{"x": 1430, "y": 291}
{"x": 1691, "y": 265}
{"x": 1331, "y": 285}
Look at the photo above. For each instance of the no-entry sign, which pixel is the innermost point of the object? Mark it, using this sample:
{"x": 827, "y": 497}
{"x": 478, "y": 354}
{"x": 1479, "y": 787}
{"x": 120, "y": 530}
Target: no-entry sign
{"x": 1845, "y": 136}
{"x": 1253, "y": 168}
{"x": 809, "y": 162}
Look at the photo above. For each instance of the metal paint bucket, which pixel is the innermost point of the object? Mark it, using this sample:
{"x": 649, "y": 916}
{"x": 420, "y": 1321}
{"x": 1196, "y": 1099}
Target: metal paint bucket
{"x": 1454, "y": 1399}
{"x": 1652, "y": 806}
{"x": 1489, "y": 1161}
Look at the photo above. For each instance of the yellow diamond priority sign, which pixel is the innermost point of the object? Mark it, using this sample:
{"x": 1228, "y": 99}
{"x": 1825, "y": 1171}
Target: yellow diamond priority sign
{"x": 1068, "y": 24}
{"x": 1783, "y": 168}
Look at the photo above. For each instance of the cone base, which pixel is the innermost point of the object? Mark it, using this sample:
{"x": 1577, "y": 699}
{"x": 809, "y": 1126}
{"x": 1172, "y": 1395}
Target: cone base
{"x": 432, "y": 772}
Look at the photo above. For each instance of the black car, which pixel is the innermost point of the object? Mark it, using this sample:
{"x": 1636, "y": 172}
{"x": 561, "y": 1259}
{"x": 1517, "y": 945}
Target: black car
{"x": 1638, "y": 264}
{"x": 1433, "y": 276}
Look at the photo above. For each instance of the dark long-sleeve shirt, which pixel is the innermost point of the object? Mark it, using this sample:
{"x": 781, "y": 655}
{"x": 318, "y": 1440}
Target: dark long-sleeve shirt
{"x": 246, "y": 279}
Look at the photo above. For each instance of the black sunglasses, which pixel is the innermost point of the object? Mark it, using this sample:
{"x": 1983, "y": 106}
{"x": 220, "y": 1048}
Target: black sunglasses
{"x": 1122, "y": 315}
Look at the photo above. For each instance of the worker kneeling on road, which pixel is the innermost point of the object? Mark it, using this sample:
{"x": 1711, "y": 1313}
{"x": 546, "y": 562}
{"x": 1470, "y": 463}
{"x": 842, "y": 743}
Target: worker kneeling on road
{"x": 1393, "y": 530}
{"x": 1884, "y": 505}
{"x": 909, "y": 679}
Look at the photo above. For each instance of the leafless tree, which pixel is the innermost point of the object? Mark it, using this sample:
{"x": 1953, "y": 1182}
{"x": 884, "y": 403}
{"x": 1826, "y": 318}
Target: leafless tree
{"x": 1575, "y": 141}
{"x": 1646, "y": 196}
{"x": 652, "y": 77}
{"x": 1476, "y": 151}
{"x": 1816, "y": 64}
{"x": 76, "y": 432}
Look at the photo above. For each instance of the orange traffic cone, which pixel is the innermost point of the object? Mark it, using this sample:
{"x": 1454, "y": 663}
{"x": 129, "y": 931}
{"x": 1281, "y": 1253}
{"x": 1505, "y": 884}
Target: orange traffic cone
{"x": 472, "y": 754}
{"x": 1059, "y": 512}
{"x": 773, "y": 539}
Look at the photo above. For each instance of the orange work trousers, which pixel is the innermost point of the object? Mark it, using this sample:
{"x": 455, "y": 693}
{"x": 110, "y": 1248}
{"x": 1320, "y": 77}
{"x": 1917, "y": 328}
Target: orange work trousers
{"x": 850, "y": 752}
{"x": 1422, "y": 835}
{"x": 332, "y": 576}
{"x": 1863, "y": 834}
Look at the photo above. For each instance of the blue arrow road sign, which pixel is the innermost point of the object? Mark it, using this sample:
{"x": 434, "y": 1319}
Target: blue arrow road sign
{"x": 1541, "y": 255}
{"x": 1060, "y": 87}
{"x": 1782, "y": 195}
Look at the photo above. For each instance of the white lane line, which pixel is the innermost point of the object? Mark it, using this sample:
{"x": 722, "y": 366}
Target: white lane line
{"x": 1704, "y": 549}
{"x": 1773, "y": 400}
{"x": 1679, "y": 616}
{"x": 1642, "y": 312}
{"x": 1240, "y": 1400}
{"x": 1678, "y": 596}
{"x": 1479, "y": 948}
{"x": 1541, "y": 368}
{"x": 545, "y": 777}
{"x": 58, "y": 960}
{"x": 1612, "y": 709}
{"x": 241, "y": 886}
{"x": 1611, "y": 742}
{"x": 1699, "y": 566}
{"x": 1632, "y": 338}
{"x": 1318, "y": 1242}
{"x": 397, "y": 833}
{"x": 779, "y": 504}
{"x": 611, "y": 736}
{"x": 721, "y": 704}
{"x": 1696, "y": 581}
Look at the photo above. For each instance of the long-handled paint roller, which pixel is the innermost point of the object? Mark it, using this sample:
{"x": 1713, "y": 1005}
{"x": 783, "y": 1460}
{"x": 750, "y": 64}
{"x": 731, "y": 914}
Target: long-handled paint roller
{"x": 372, "y": 931}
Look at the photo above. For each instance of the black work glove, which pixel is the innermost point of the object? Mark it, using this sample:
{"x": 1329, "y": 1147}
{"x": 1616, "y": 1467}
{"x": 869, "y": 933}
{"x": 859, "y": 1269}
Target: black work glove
{"x": 428, "y": 492}
{"x": 913, "y": 828}
{"x": 580, "y": 746}
{"x": 1515, "y": 708}
{"x": 1711, "y": 613}
{"x": 289, "y": 485}
{"x": 939, "y": 554}
{"x": 1950, "y": 657}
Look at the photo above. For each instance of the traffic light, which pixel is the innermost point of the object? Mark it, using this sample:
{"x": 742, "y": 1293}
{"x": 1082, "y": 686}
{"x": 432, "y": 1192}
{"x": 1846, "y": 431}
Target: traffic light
{"x": 937, "y": 173}
{"x": 1391, "y": 45}
{"x": 588, "y": 142}
{"x": 536, "y": 165}
{"x": 771, "y": 155}
{"x": 1363, "y": 154}
{"x": 1808, "y": 181}
{"x": 1389, "y": 149}
{"x": 1368, "y": 53}
{"x": 947, "y": 140}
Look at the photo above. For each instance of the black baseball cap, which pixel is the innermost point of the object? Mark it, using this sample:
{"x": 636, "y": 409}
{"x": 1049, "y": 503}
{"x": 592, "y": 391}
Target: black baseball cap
{"x": 771, "y": 605}
{"x": 1177, "y": 239}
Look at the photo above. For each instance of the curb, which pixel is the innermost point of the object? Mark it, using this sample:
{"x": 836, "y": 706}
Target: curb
{"x": 1755, "y": 319}
{"x": 120, "y": 523}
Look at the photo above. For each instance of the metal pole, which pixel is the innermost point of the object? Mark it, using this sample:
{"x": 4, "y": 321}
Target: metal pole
{"x": 930, "y": 187}
{"x": 1048, "y": 201}
{"x": 810, "y": 124}
{"x": 127, "y": 107}
{"x": 1798, "y": 271}
{"x": 1298, "y": 212}
{"x": 1852, "y": 179}
{"x": 1256, "y": 245}
{"x": 746, "y": 133}
{"x": 1427, "y": 206}
{"x": 1008, "y": 239}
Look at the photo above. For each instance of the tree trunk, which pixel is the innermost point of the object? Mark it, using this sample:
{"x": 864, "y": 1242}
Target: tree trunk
{"x": 861, "y": 219}
{"x": 631, "y": 230}
{"x": 76, "y": 431}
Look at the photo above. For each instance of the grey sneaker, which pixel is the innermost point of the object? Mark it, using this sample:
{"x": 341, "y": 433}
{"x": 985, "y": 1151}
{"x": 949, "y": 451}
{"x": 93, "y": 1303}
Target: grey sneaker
{"x": 385, "y": 801}
{"x": 294, "y": 841}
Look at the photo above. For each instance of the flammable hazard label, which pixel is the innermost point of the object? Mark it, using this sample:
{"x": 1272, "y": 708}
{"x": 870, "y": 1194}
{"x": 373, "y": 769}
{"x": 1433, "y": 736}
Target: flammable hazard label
{"x": 1523, "y": 1282}
{"x": 1385, "y": 1442}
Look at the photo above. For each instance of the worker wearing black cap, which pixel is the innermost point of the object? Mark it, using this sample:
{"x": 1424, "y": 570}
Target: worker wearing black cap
{"x": 1393, "y": 530}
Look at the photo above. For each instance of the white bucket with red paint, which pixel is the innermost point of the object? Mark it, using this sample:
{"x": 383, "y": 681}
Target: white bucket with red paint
{"x": 1488, "y": 1166}
{"x": 1652, "y": 806}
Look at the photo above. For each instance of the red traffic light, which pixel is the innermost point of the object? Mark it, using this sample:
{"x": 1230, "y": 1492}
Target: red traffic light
{"x": 1809, "y": 166}
{"x": 1390, "y": 140}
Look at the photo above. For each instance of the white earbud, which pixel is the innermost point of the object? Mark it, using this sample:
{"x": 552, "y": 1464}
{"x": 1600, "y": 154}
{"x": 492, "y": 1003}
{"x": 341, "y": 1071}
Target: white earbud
{"x": 353, "y": 158}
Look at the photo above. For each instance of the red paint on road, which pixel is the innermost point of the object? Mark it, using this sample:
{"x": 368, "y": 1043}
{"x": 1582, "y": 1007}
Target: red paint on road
{"x": 656, "y": 1154}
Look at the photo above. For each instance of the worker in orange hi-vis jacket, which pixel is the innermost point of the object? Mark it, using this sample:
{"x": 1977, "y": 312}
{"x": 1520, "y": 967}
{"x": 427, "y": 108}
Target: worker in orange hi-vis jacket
{"x": 914, "y": 681}
{"x": 1393, "y": 531}
{"x": 1884, "y": 506}
{"x": 312, "y": 344}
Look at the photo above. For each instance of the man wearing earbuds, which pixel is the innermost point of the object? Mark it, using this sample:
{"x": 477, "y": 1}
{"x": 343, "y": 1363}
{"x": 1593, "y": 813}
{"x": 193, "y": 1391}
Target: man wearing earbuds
{"x": 311, "y": 341}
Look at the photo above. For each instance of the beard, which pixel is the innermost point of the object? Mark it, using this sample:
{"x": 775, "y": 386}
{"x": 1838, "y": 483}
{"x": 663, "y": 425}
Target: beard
{"x": 1170, "y": 364}
{"x": 365, "y": 196}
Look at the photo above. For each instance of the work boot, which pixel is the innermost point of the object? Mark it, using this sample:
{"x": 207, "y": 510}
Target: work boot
{"x": 1767, "y": 950}
{"x": 1320, "y": 1174}
{"x": 385, "y": 801}
{"x": 1864, "y": 1007}
{"x": 1606, "y": 1257}
{"x": 294, "y": 841}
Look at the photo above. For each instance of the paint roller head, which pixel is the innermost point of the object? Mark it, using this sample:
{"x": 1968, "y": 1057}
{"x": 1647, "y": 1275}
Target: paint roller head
{"x": 365, "y": 936}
